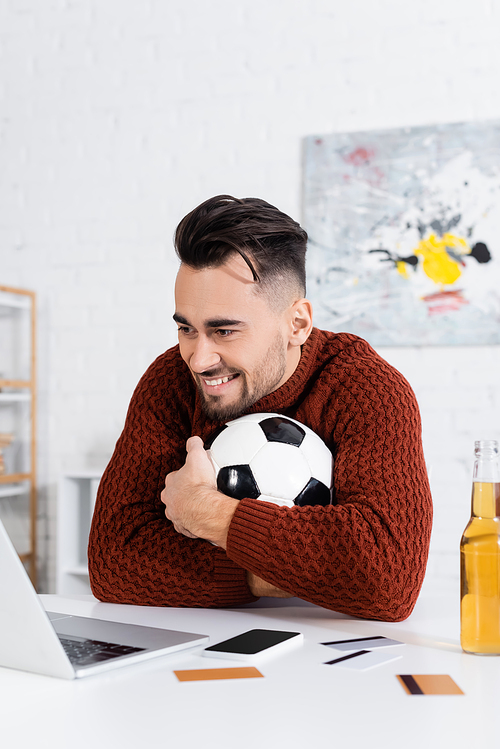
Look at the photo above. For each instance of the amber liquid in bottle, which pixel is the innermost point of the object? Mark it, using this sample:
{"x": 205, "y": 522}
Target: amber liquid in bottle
{"x": 480, "y": 570}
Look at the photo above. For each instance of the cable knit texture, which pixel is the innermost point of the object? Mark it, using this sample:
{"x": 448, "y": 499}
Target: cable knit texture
{"x": 365, "y": 555}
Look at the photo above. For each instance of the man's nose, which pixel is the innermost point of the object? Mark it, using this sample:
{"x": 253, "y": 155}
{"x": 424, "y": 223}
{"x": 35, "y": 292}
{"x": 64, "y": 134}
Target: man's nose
{"x": 204, "y": 356}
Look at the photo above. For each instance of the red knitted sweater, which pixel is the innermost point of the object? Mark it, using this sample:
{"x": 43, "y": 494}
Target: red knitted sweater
{"x": 364, "y": 555}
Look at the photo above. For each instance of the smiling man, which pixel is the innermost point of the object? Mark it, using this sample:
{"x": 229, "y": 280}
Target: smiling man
{"x": 162, "y": 534}
{"x": 236, "y": 347}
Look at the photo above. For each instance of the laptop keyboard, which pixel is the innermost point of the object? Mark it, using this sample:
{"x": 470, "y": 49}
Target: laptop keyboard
{"x": 89, "y": 652}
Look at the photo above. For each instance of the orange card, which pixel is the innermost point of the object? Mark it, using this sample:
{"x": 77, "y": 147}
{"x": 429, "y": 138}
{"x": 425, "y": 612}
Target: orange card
{"x": 428, "y": 684}
{"x": 207, "y": 674}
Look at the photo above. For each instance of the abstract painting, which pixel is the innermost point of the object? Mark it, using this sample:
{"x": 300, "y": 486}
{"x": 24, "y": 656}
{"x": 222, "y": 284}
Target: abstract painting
{"x": 404, "y": 233}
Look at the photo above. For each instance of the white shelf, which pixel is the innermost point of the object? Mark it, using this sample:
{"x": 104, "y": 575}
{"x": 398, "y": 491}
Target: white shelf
{"x": 13, "y": 397}
{"x": 84, "y": 474}
{"x": 81, "y": 571}
{"x": 13, "y": 490}
{"x": 75, "y": 506}
{"x": 8, "y": 300}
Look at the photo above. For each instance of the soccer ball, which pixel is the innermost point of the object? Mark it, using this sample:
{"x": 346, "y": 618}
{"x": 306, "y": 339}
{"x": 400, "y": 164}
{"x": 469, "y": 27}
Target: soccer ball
{"x": 272, "y": 457}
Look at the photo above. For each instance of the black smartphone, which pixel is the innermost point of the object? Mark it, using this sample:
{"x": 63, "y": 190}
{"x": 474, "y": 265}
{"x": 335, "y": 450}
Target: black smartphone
{"x": 254, "y": 643}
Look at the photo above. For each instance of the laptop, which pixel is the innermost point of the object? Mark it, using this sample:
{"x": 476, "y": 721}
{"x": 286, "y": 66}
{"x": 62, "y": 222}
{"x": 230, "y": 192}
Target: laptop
{"x": 69, "y": 647}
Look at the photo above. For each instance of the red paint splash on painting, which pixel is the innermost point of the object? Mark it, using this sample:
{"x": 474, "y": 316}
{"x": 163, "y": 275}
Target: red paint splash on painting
{"x": 359, "y": 156}
{"x": 444, "y": 301}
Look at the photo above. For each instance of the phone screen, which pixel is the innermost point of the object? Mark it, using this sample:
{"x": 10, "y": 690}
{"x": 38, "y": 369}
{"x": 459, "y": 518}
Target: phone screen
{"x": 252, "y": 642}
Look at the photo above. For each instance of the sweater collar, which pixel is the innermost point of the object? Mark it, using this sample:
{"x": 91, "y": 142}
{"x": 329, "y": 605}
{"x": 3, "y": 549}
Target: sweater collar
{"x": 286, "y": 395}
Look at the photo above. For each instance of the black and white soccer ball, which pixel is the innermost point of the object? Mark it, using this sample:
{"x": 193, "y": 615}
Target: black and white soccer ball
{"x": 274, "y": 458}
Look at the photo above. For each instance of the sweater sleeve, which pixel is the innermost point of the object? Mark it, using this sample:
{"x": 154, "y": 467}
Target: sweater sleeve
{"x": 366, "y": 554}
{"x": 135, "y": 555}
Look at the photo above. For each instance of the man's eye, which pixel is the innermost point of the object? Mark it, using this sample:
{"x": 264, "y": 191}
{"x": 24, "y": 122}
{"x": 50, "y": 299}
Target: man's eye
{"x": 184, "y": 330}
{"x": 223, "y": 333}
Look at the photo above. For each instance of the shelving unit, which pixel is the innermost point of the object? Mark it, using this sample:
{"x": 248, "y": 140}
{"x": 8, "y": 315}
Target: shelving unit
{"x": 76, "y": 501}
{"x": 18, "y": 417}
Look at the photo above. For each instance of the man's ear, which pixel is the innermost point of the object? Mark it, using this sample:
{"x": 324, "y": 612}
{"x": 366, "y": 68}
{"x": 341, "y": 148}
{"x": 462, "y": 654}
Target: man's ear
{"x": 301, "y": 322}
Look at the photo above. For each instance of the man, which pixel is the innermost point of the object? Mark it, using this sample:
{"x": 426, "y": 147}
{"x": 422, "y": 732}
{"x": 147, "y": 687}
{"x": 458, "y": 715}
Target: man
{"x": 163, "y": 535}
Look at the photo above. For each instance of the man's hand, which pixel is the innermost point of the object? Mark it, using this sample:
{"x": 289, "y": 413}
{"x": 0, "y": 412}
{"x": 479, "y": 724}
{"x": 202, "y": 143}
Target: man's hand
{"x": 260, "y": 588}
{"x": 191, "y": 499}
{"x": 198, "y": 510}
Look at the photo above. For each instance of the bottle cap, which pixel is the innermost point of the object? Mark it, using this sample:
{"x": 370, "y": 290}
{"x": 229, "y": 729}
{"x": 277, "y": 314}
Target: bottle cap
{"x": 486, "y": 447}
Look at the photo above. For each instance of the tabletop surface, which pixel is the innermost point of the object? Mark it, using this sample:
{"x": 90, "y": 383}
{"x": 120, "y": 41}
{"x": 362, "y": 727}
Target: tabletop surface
{"x": 299, "y": 700}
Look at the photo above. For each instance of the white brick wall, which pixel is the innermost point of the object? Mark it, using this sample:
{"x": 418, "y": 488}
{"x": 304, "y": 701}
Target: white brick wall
{"x": 119, "y": 116}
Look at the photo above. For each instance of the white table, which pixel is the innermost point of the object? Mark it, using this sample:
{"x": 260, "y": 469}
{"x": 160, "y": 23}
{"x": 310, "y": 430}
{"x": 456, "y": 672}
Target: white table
{"x": 300, "y": 702}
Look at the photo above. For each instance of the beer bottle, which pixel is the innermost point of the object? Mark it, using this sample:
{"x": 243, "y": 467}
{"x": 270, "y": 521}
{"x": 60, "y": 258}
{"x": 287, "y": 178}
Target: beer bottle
{"x": 480, "y": 557}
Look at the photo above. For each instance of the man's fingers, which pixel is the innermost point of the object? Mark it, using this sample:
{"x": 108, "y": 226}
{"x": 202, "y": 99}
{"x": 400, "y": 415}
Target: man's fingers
{"x": 168, "y": 476}
{"x": 199, "y": 461}
{"x": 184, "y": 531}
{"x": 184, "y": 495}
{"x": 194, "y": 443}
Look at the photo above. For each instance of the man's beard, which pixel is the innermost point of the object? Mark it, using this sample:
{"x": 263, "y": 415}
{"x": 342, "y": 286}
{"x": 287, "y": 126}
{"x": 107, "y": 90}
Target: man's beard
{"x": 272, "y": 368}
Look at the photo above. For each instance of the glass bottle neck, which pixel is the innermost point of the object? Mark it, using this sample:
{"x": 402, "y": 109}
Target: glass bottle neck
{"x": 486, "y": 499}
{"x": 486, "y": 469}
{"x": 486, "y": 480}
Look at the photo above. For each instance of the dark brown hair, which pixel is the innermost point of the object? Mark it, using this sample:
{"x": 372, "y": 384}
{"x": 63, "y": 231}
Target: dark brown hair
{"x": 271, "y": 243}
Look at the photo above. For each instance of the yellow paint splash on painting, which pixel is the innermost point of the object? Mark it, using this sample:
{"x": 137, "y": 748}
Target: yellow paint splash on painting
{"x": 437, "y": 263}
{"x": 401, "y": 267}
